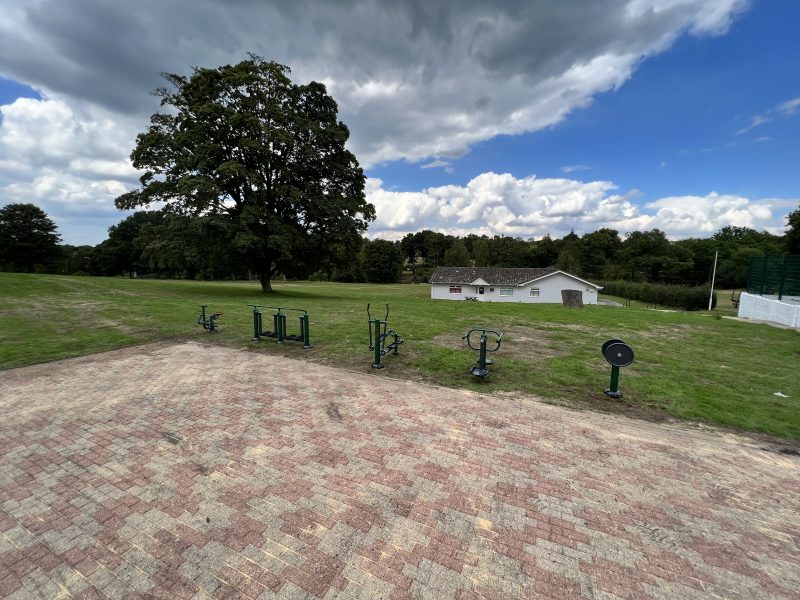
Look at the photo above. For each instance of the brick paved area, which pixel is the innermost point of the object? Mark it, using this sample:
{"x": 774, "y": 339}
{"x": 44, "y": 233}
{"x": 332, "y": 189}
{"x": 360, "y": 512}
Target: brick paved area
{"x": 192, "y": 471}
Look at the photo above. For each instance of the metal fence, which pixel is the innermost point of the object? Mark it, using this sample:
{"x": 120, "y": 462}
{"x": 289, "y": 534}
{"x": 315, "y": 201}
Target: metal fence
{"x": 774, "y": 276}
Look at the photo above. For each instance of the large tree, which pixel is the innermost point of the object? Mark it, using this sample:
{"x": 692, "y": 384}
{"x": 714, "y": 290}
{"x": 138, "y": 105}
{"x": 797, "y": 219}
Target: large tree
{"x": 243, "y": 141}
{"x": 27, "y": 237}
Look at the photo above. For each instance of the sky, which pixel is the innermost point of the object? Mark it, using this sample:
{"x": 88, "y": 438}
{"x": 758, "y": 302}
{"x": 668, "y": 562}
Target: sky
{"x": 518, "y": 118}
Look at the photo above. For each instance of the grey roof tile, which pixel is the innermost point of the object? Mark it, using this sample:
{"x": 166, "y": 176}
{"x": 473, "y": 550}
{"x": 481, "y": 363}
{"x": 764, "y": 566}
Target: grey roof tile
{"x": 491, "y": 275}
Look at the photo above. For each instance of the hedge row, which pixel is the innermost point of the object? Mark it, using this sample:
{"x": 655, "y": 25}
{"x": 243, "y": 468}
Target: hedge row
{"x": 676, "y": 296}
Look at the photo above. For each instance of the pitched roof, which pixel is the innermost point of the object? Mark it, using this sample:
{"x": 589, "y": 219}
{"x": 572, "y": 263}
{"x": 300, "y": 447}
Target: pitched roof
{"x": 491, "y": 275}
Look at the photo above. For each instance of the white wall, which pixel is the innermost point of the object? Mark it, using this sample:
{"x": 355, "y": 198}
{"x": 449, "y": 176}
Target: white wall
{"x": 549, "y": 291}
{"x": 768, "y": 309}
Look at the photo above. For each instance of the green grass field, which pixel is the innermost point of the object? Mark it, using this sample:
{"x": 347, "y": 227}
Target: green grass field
{"x": 689, "y": 365}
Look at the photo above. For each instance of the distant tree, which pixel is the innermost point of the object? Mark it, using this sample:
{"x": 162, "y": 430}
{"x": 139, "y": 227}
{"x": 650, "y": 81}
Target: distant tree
{"x": 482, "y": 253}
{"x": 27, "y": 238}
{"x": 457, "y": 255}
{"x": 736, "y": 247}
{"x": 411, "y": 247}
{"x": 509, "y": 252}
{"x": 792, "y": 236}
{"x": 119, "y": 253}
{"x": 382, "y": 261}
{"x": 598, "y": 253}
{"x": 434, "y": 245}
{"x": 569, "y": 254}
{"x": 644, "y": 255}
{"x": 78, "y": 260}
{"x": 245, "y": 143}
{"x": 544, "y": 253}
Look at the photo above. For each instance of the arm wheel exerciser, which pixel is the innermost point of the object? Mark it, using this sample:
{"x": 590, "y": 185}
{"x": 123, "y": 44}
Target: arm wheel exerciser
{"x": 279, "y": 326}
{"x": 618, "y": 354}
{"x": 482, "y": 369}
{"x": 378, "y": 334}
{"x": 209, "y": 322}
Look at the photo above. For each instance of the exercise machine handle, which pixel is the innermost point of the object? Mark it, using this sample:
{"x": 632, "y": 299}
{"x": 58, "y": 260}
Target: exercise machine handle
{"x": 484, "y": 332}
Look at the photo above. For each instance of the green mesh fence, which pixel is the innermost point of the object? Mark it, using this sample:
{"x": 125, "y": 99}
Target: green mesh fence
{"x": 774, "y": 276}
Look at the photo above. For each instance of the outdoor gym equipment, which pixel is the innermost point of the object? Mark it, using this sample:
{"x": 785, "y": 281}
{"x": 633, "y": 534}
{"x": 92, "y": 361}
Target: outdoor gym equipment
{"x": 378, "y": 333}
{"x": 482, "y": 370}
{"x": 209, "y": 323}
{"x": 618, "y": 354}
{"x": 279, "y": 326}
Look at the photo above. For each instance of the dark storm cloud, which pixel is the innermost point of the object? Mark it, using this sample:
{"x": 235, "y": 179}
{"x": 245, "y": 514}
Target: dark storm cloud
{"x": 438, "y": 61}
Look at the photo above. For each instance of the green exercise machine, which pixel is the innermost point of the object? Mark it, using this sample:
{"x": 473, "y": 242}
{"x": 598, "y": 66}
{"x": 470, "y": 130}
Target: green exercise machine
{"x": 618, "y": 354}
{"x": 378, "y": 334}
{"x": 482, "y": 368}
{"x": 209, "y": 322}
{"x": 278, "y": 331}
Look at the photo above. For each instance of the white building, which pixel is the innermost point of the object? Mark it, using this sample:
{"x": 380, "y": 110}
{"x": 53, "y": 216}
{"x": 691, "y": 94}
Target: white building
{"x": 494, "y": 284}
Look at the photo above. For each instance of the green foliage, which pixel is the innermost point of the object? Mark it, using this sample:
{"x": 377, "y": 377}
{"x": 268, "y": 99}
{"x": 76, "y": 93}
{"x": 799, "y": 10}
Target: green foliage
{"x": 598, "y": 253}
{"x": 78, "y": 260}
{"x": 676, "y": 296}
{"x": 457, "y": 255}
{"x": 244, "y": 143}
{"x": 381, "y": 261}
{"x": 480, "y": 253}
{"x": 28, "y": 238}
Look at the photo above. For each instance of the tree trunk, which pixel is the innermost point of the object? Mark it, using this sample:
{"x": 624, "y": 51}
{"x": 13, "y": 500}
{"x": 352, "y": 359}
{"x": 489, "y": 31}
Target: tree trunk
{"x": 263, "y": 278}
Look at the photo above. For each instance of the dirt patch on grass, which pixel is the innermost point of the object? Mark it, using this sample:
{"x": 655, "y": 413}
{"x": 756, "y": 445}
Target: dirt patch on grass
{"x": 524, "y": 343}
{"x": 675, "y": 332}
{"x": 568, "y": 326}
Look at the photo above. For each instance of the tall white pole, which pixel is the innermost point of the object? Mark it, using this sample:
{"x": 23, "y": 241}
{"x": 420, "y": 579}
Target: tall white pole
{"x": 713, "y": 276}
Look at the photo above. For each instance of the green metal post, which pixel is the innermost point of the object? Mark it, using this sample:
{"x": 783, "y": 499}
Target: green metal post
{"x": 613, "y": 391}
{"x": 396, "y": 343}
{"x": 256, "y": 324}
{"x": 377, "y": 364}
{"x": 304, "y": 329}
{"x": 280, "y": 324}
{"x": 482, "y": 355}
{"x": 614, "y": 380}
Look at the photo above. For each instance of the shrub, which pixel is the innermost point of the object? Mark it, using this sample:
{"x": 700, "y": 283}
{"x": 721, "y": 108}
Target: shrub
{"x": 677, "y": 296}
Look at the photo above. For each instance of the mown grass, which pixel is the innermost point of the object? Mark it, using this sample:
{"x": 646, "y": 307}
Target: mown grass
{"x": 688, "y": 365}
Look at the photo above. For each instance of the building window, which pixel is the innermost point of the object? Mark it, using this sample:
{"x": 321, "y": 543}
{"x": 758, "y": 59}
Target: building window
{"x": 534, "y": 292}
{"x": 455, "y": 289}
{"x": 506, "y": 291}
{"x": 480, "y": 290}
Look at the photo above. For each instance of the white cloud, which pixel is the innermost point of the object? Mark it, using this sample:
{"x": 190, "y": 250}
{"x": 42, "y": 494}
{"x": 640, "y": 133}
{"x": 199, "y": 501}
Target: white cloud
{"x": 789, "y": 107}
{"x": 500, "y": 204}
{"x": 755, "y": 122}
{"x": 71, "y": 165}
{"x": 784, "y": 109}
{"x": 436, "y": 164}
{"x": 573, "y": 168}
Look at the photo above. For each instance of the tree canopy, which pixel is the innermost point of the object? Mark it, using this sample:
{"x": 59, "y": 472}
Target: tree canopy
{"x": 27, "y": 238}
{"x": 246, "y": 143}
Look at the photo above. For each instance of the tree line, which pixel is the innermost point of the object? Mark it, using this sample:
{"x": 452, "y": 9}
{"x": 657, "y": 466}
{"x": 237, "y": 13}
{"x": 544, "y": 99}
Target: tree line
{"x": 162, "y": 244}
